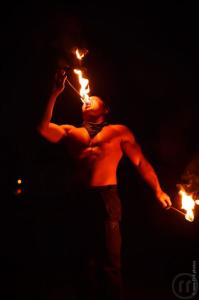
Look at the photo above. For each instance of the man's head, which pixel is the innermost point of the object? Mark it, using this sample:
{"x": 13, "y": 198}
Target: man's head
{"x": 96, "y": 111}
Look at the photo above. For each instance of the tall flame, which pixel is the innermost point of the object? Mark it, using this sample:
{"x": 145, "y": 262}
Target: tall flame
{"x": 84, "y": 90}
{"x": 188, "y": 204}
{"x": 84, "y": 82}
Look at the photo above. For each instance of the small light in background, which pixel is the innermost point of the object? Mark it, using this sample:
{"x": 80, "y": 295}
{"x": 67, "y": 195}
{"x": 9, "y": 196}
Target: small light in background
{"x": 19, "y": 187}
{"x": 19, "y": 181}
{"x": 18, "y": 191}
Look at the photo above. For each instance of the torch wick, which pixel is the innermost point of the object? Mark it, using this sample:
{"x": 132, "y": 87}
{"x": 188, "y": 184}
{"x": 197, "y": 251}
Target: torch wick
{"x": 179, "y": 211}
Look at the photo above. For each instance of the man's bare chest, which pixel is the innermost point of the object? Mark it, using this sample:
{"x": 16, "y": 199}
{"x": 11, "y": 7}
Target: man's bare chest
{"x": 105, "y": 141}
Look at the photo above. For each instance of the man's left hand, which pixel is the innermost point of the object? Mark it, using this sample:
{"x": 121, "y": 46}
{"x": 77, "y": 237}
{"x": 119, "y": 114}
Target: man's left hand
{"x": 164, "y": 199}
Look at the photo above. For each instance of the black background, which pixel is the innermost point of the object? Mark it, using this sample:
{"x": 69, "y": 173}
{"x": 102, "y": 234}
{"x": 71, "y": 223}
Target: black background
{"x": 144, "y": 61}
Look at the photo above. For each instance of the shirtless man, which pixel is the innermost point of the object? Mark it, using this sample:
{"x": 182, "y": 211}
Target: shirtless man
{"x": 97, "y": 147}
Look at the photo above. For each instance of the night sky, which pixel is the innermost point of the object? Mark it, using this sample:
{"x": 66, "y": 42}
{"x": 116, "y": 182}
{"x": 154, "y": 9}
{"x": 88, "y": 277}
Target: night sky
{"x": 143, "y": 60}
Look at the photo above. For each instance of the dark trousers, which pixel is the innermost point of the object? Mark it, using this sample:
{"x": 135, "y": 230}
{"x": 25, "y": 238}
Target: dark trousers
{"x": 97, "y": 242}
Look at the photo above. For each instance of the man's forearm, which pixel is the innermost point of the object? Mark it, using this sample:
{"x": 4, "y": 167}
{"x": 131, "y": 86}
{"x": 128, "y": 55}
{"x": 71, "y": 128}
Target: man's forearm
{"x": 57, "y": 89}
{"x": 149, "y": 175}
{"x": 48, "y": 112}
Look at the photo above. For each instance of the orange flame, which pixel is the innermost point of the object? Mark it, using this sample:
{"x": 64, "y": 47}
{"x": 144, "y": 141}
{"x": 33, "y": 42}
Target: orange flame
{"x": 188, "y": 204}
{"x": 84, "y": 82}
{"x": 81, "y": 53}
{"x": 84, "y": 90}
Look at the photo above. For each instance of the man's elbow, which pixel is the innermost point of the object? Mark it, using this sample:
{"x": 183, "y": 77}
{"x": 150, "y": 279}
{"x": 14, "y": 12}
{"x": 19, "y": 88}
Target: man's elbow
{"x": 41, "y": 129}
{"x": 44, "y": 132}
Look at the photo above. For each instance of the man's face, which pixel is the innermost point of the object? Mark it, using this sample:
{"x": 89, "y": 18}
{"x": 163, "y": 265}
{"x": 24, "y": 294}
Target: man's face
{"x": 95, "y": 109}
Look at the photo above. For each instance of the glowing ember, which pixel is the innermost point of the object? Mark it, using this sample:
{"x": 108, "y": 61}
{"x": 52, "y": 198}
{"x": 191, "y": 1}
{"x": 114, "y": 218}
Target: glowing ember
{"x": 84, "y": 90}
{"x": 188, "y": 204}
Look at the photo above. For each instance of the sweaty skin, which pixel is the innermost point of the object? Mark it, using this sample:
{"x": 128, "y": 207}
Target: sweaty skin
{"x": 97, "y": 158}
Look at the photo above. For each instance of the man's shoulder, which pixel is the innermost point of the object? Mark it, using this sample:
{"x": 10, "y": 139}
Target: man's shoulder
{"x": 124, "y": 132}
{"x": 120, "y": 127}
{"x": 68, "y": 126}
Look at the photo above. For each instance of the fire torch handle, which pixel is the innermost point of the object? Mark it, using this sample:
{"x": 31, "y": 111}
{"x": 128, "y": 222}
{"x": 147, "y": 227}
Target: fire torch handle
{"x": 73, "y": 88}
{"x": 179, "y": 211}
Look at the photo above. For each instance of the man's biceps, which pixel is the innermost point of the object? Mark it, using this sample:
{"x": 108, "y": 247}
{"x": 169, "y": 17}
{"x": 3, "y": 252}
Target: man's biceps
{"x": 135, "y": 152}
{"x": 133, "y": 147}
{"x": 56, "y": 129}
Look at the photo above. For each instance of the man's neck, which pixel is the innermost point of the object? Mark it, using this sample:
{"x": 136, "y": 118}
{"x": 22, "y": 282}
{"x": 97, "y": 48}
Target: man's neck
{"x": 95, "y": 120}
{"x": 94, "y": 128}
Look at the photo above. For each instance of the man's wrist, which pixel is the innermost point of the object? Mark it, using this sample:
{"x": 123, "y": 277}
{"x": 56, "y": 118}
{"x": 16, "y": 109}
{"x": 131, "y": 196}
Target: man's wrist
{"x": 158, "y": 192}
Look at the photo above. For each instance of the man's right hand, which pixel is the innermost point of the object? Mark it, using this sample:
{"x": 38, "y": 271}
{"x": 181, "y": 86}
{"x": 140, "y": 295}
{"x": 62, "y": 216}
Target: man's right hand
{"x": 164, "y": 199}
{"x": 59, "y": 83}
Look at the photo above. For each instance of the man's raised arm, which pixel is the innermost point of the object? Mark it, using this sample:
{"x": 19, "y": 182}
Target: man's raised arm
{"x": 53, "y": 132}
{"x": 134, "y": 153}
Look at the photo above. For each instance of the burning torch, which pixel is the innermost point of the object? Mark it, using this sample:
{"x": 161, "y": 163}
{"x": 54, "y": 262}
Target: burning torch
{"x": 188, "y": 204}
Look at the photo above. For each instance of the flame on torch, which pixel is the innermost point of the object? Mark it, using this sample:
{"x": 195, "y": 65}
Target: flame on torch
{"x": 84, "y": 90}
{"x": 84, "y": 82}
{"x": 188, "y": 204}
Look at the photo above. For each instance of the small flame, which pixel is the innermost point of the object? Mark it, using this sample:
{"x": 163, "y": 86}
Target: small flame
{"x": 84, "y": 90}
{"x": 188, "y": 204}
{"x": 81, "y": 53}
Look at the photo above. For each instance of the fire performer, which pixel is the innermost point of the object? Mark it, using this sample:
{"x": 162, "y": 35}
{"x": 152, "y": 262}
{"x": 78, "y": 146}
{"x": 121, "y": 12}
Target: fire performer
{"x": 97, "y": 147}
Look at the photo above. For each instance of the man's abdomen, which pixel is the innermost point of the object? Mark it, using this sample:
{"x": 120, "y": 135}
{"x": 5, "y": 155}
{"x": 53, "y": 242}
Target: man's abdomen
{"x": 103, "y": 176}
{"x": 97, "y": 174}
